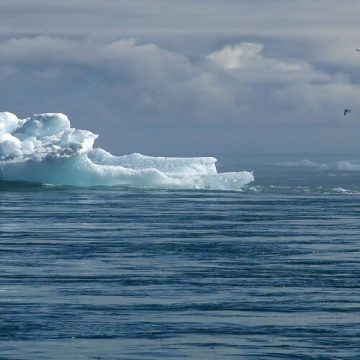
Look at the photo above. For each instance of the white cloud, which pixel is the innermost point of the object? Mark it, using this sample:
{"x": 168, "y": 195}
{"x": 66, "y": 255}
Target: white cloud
{"x": 248, "y": 63}
{"x": 247, "y": 56}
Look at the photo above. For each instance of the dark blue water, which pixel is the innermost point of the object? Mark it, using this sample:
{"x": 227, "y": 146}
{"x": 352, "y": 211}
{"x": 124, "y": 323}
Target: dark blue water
{"x": 111, "y": 273}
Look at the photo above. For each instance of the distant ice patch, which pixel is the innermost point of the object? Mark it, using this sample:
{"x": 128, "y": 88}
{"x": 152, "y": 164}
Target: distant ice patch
{"x": 347, "y": 166}
{"x": 342, "y": 165}
{"x": 45, "y": 149}
{"x": 305, "y": 163}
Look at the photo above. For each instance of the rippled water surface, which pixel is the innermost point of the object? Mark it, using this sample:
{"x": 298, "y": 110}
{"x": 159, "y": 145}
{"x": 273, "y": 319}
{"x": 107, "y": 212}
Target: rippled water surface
{"x": 109, "y": 273}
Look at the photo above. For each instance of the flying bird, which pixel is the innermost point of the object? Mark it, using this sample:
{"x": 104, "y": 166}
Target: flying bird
{"x": 357, "y": 49}
{"x": 347, "y": 111}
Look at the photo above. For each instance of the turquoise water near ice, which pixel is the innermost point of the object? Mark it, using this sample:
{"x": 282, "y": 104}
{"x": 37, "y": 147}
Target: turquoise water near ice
{"x": 272, "y": 272}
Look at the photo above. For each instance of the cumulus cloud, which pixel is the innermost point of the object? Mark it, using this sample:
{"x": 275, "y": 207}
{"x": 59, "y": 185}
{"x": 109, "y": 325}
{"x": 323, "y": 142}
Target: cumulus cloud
{"x": 248, "y": 56}
{"x": 247, "y": 62}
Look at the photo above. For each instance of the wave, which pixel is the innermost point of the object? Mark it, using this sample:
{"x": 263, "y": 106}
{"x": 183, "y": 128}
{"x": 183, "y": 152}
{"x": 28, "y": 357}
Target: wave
{"x": 45, "y": 149}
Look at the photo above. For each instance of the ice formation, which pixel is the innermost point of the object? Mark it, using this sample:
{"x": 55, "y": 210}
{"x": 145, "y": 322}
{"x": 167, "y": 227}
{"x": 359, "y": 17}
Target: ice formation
{"x": 45, "y": 149}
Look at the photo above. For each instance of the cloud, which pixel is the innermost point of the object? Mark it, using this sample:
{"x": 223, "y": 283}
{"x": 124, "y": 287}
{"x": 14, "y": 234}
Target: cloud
{"x": 247, "y": 62}
{"x": 39, "y": 49}
{"x": 248, "y": 56}
{"x": 108, "y": 86}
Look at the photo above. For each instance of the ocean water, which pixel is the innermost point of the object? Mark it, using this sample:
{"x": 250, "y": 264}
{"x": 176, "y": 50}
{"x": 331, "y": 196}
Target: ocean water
{"x": 272, "y": 272}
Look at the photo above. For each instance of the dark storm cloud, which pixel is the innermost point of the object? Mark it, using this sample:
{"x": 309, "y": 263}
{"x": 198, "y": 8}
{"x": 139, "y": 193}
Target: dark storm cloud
{"x": 194, "y": 76}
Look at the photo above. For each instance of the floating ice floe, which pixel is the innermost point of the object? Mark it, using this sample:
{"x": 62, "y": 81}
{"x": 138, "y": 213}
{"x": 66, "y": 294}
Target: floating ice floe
{"x": 45, "y": 149}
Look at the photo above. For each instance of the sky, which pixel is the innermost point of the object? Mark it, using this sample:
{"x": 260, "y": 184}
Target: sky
{"x": 188, "y": 77}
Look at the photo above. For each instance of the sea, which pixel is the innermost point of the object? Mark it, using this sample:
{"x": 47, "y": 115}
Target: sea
{"x": 270, "y": 272}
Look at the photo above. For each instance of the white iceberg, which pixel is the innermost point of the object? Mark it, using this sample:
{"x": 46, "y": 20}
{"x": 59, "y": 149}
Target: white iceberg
{"x": 45, "y": 149}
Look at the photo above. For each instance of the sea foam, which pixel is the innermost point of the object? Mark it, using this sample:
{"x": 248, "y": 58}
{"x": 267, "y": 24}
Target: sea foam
{"x": 44, "y": 148}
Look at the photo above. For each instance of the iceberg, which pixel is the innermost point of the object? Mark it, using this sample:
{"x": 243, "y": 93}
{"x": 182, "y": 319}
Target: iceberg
{"x": 44, "y": 148}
